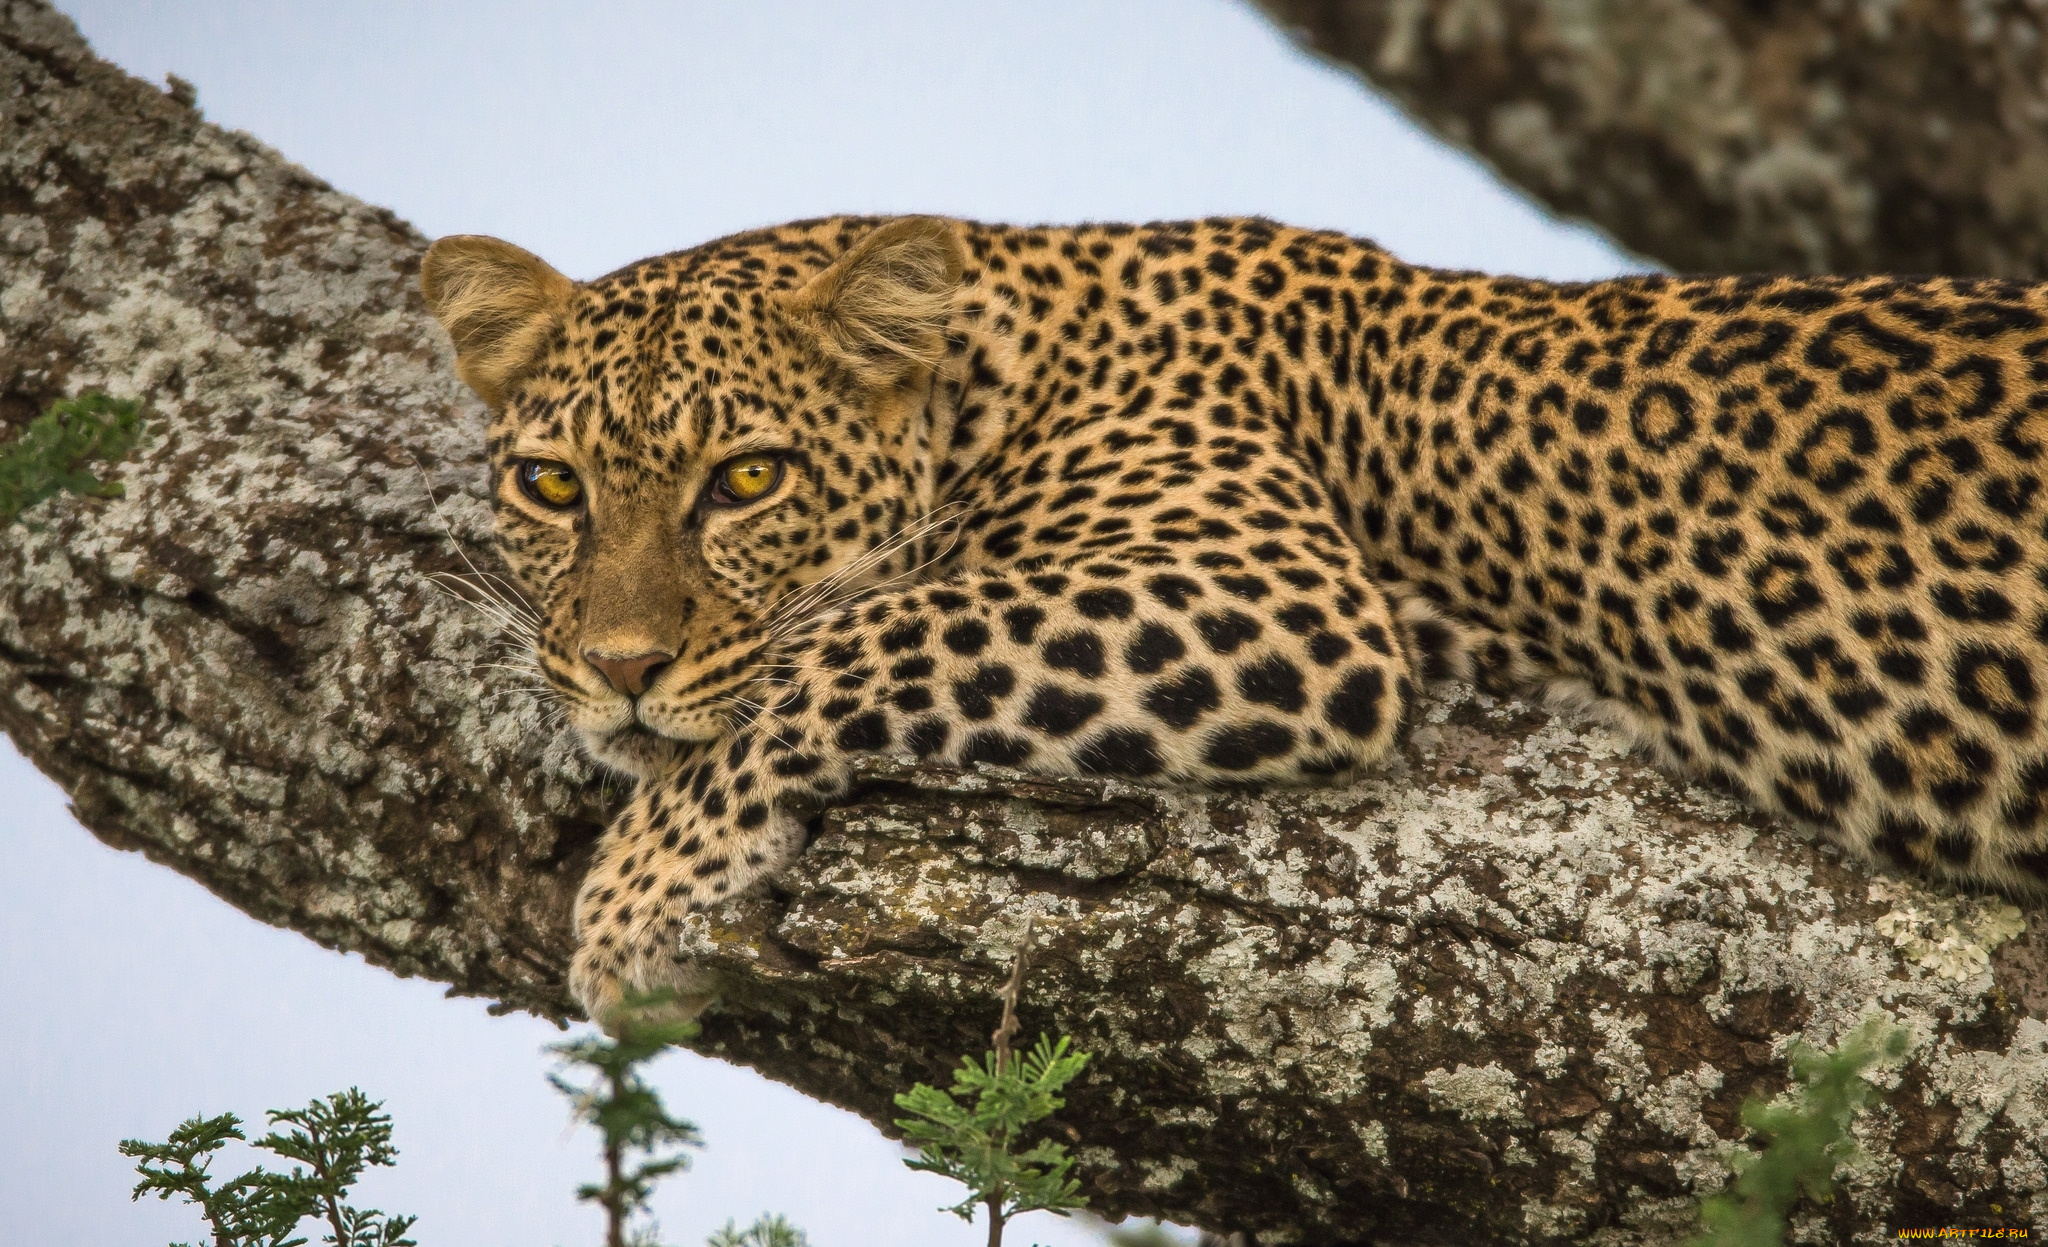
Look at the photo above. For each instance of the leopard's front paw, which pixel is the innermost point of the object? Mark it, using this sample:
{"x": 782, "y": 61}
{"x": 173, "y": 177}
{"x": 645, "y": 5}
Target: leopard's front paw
{"x": 685, "y": 844}
{"x": 595, "y": 985}
{"x": 647, "y": 987}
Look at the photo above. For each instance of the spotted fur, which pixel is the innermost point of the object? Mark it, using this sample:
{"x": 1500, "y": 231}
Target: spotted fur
{"x": 1206, "y": 502}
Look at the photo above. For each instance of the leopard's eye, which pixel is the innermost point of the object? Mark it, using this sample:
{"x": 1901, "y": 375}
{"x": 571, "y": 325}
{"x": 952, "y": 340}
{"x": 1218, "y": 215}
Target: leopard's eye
{"x": 549, "y": 483}
{"x": 745, "y": 479}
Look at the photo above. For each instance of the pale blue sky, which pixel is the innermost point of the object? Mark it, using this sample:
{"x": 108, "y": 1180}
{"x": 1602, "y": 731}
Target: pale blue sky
{"x": 595, "y": 133}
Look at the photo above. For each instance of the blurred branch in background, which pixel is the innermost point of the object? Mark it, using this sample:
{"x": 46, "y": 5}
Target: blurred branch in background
{"x": 1733, "y": 135}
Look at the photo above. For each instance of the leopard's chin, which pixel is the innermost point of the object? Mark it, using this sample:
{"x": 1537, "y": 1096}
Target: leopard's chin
{"x": 633, "y": 750}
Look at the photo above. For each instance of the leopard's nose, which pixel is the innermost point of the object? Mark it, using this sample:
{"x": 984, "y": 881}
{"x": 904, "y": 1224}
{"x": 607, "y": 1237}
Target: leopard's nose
{"x": 630, "y": 676}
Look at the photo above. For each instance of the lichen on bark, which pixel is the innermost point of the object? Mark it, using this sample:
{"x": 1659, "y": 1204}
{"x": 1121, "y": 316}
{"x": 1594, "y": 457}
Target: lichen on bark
{"x": 1513, "y": 988}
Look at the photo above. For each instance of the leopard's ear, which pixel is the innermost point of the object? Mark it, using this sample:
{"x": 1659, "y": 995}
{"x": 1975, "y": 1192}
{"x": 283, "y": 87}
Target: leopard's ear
{"x": 499, "y": 302}
{"x": 880, "y": 310}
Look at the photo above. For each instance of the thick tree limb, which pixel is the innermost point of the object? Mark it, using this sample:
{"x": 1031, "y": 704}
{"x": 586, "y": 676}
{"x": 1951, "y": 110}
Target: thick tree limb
{"x": 1513, "y": 989}
{"x": 1732, "y": 135}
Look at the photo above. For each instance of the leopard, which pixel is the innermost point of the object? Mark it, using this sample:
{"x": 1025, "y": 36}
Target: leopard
{"x": 1212, "y": 503}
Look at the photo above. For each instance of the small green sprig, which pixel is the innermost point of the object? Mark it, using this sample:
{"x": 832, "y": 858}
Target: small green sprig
{"x": 1807, "y": 1140}
{"x": 643, "y": 1143}
{"x": 333, "y": 1139}
{"x": 50, "y": 455}
{"x": 336, "y": 1139}
{"x": 770, "y": 1229}
{"x": 971, "y": 1133}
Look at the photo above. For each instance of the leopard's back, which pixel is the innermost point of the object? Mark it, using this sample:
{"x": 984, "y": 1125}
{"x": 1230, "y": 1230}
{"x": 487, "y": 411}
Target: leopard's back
{"x": 1790, "y": 531}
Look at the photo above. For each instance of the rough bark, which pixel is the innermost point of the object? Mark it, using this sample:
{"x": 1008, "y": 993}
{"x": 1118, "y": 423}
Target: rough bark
{"x": 1737, "y": 135}
{"x": 1514, "y": 988}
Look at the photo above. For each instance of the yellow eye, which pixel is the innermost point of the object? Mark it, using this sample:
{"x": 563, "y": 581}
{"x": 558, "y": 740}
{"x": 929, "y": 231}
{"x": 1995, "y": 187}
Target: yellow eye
{"x": 745, "y": 478}
{"x": 549, "y": 483}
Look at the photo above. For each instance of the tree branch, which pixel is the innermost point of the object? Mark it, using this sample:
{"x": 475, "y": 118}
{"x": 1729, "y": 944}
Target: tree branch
{"x": 1515, "y": 987}
{"x": 1731, "y": 135}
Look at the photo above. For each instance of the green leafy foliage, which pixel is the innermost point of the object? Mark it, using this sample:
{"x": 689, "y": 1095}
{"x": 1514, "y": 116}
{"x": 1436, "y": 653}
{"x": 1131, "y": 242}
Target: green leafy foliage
{"x": 1808, "y": 1139}
{"x": 971, "y": 1133}
{"x": 336, "y": 1139}
{"x": 768, "y": 1230}
{"x": 333, "y": 1140}
{"x": 643, "y": 1143}
{"x": 50, "y": 455}
{"x": 258, "y": 1209}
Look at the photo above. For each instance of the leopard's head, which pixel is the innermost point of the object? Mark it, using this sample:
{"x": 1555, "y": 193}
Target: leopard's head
{"x": 694, "y": 455}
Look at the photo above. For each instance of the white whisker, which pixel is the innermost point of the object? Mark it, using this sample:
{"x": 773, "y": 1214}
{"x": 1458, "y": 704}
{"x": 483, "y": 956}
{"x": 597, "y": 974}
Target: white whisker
{"x": 507, "y": 604}
{"x": 760, "y": 712}
{"x": 807, "y": 601}
{"x": 776, "y": 664}
{"x": 501, "y": 605}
